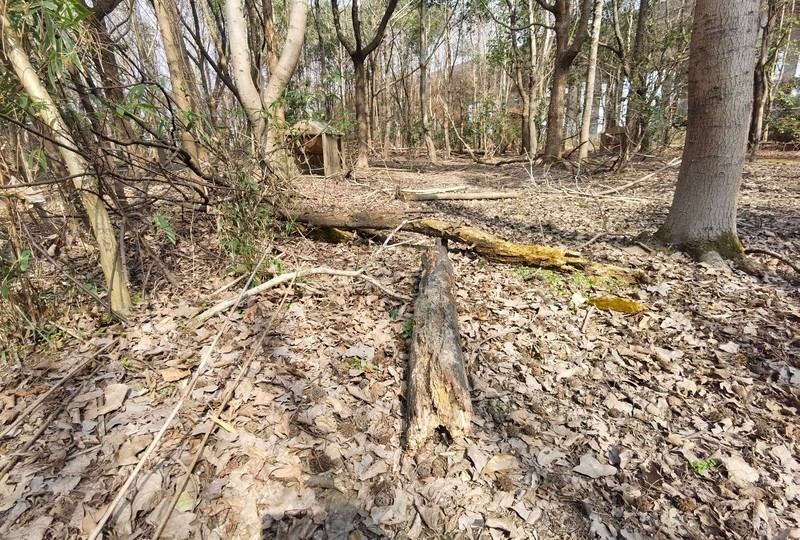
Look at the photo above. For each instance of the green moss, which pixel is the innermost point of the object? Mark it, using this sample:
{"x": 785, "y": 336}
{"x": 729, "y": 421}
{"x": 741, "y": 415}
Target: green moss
{"x": 727, "y": 245}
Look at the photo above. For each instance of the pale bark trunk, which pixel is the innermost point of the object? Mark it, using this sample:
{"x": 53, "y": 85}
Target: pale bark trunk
{"x": 184, "y": 87}
{"x": 77, "y": 168}
{"x": 262, "y": 110}
{"x": 588, "y": 101}
{"x": 722, "y": 57}
{"x": 282, "y": 72}
{"x": 362, "y": 161}
{"x": 241, "y": 68}
{"x": 423, "y": 85}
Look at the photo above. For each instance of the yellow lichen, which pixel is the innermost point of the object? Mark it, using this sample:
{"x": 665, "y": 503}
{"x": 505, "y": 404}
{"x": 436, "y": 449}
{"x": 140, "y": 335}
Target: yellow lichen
{"x": 615, "y": 303}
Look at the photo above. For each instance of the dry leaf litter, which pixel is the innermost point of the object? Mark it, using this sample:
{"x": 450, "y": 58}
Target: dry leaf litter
{"x": 679, "y": 421}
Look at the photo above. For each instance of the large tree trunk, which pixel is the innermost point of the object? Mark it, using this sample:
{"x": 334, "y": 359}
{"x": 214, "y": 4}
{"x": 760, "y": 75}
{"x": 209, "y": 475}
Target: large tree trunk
{"x": 438, "y": 391}
{"x": 76, "y": 166}
{"x": 362, "y": 161}
{"x": 257, "y": 106}
{"x": 241, "y": 68}
{"x": 722, "y": 56}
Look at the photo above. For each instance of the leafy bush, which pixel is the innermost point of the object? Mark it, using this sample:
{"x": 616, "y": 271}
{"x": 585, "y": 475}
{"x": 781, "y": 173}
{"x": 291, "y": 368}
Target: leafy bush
{"x": 784, "y": 118}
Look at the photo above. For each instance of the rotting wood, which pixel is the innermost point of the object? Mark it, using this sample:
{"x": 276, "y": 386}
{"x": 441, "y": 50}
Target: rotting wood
{"x": 410, "y": 196}
{"x": 488, "y": 246}
{"x": 438, "y": 391}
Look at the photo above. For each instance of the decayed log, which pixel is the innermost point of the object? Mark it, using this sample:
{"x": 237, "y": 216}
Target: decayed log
{"x": 486, "y": 245}
{"x": 411, "y": 196}
{"x": 438, "y": 391}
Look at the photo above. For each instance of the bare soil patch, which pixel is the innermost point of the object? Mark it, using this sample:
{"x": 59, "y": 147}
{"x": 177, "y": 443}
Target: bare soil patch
{"x": 676, "y": 422}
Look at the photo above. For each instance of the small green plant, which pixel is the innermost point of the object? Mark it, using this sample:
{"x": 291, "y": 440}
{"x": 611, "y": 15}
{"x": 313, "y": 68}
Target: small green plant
{"x": 607, "y": 283}
{"x": 162, "y": 223}
{"x": 167, "y": 389}
{"x": 361, "y": 364}
{"x": 408, "y": 328}
{"x": 701, "y": 467}
{"x": 582, "y": 281}
{"x": 137, "y": 298}
{"x": 126, "y": 362}
{"x": 394, "y": 313}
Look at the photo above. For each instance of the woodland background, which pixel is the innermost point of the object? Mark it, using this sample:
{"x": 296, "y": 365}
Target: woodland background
{"x": 148, "y": 172}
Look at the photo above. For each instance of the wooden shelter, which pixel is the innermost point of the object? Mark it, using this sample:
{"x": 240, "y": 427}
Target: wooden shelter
{"x": 318, "y": 148}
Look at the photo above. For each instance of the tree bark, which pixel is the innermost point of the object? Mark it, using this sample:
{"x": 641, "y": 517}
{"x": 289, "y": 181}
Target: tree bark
{"x": 423, "y": 84}
{"x": 77, "y": 167}
{"x": 566, "y": 52}
{"x": 184, "y": 86}
{"x": 358, "y": 54}
{"x": 722, "y": 56}
{"x": 588, "y": 99}
{"x": 261, "y": 110}
{"x": 761, "y": 79}
{"x": 241, "y": 68}
{"x": 438, "y": 390}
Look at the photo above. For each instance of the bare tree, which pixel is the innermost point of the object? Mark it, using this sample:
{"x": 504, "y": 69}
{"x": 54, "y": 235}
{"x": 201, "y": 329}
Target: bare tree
{"x": 358, "y": 54}
{"x": 588, "y": 99}
{"x": 260, "y": 107}
{"x": 566, "y": 51}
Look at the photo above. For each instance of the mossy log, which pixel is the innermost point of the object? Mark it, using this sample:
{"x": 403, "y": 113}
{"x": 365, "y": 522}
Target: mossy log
{"x": 486, "y": 245}
{"x": 438, "y": 391}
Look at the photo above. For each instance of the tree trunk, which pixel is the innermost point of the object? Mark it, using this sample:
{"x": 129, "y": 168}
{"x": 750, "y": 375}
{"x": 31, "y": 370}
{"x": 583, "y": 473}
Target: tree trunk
{"x": 281, "y": 73}
{"x": 703, "y": 213}
{"x": 588, "y": 101}
{"x": 362, "y": 161}
{"x": 184, "y": 87}
{"x": 423, "y": 84}
{"x": 76, "y": 166}
{"x": 241, "y": 69}
{"x": 761, "y": 80}
{"x": 565, "y": 55}
{"x": 438, "y": 390}
{"x": 358, "y": 54}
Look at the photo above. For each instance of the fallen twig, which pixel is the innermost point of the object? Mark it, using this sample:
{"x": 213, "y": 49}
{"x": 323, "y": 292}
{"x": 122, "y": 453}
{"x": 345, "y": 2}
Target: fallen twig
{"x": 35, "y": 405}
{"x": 672, "y": 163}
{"x": 201, "y": 368}
{"x": 19, "y": 453}
{"x": 222, "y": 306}
{"x": 774, "y": 255}
{"x": 433, "y": 190}
{"x": 181, "y": 485}
{"x": 407, "y": 196}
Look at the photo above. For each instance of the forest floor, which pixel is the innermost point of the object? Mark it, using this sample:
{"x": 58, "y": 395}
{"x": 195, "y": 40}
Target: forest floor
{"x": 680, "y": 421}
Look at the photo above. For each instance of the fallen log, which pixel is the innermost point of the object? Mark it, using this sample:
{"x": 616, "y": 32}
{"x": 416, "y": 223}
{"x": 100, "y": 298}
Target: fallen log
{"x": 488, "y": 246}
{"x": 438, "y": 391}
{"x": 486, "y": 195}
{"x": 484, "y": 244}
